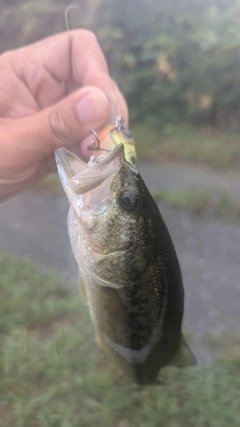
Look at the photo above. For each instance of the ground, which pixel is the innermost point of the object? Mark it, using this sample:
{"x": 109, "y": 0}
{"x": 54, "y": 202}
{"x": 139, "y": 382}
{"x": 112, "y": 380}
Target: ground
{"x": 48, "y": 376}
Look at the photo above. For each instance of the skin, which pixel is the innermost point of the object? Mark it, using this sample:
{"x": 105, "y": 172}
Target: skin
{"x": 51, "y": 94}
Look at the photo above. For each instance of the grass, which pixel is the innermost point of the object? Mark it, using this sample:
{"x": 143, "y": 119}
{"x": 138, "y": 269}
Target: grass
{"x": 53, "y": 376}
{"x": 218, "y": 205}
{"x": 220, "y": 149}
{"x": 227, "y": 344}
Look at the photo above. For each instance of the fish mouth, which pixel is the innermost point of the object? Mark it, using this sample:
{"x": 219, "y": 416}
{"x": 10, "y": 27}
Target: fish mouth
{"x": 81, "y": 177}
{"x": 74, "y": 166}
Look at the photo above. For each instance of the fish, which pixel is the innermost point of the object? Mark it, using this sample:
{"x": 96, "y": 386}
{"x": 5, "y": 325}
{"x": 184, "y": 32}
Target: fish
{"x": 129, "y": 273}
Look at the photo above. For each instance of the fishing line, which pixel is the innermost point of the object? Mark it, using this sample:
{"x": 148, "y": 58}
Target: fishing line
{"x": 88, "y": 13}
{"x": 71, "y": 6}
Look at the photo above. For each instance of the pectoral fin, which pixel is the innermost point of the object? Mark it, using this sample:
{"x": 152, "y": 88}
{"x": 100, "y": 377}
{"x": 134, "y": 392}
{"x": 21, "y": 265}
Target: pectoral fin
{"x": 184, "y": 356}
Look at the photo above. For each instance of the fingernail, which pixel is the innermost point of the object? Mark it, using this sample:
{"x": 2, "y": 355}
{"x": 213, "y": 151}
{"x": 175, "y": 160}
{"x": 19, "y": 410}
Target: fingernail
{"x": 90, "y": 109}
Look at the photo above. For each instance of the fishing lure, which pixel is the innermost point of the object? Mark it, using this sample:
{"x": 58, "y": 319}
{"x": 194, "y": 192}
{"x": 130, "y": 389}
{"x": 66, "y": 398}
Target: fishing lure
{"x": 110, "y": 136}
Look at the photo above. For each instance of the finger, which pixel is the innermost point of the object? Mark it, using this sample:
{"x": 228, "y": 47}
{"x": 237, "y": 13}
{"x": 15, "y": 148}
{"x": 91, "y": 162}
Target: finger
{"x": 89, "y": 68}
{"x": 32, "y": 138}
{"x": 67, "y": 57}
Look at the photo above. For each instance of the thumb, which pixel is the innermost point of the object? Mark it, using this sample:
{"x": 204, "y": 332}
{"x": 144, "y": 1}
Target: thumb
{"x": 62, "y": 124}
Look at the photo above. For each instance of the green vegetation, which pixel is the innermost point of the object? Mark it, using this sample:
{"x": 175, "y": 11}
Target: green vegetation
{"x": 190, "y": 144}
{"x": 53, "y": 376}
{"x": 200, "y": 203}
{"x": 227, "y": 344}
{"x": 175, "y": 61}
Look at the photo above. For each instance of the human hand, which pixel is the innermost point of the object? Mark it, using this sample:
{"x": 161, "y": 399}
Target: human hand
{"x": 51, "y": 94}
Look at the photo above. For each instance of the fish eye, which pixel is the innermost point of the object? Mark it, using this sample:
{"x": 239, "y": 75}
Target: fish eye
{"x": 129, "y": 200}
{"x": 133, "y": 160}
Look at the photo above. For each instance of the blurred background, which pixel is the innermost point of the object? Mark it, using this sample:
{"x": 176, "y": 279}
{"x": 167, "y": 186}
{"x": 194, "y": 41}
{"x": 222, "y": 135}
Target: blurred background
{"x": 174, "y": 61}
{"x": 178, "y": 64}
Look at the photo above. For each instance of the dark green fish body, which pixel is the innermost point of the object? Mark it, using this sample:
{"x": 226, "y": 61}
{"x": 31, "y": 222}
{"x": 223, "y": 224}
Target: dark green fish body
{"x": 129, "y": 272}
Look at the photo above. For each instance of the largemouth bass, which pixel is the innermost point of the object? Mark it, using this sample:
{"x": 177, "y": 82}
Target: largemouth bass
{"x": 129, "y": 272}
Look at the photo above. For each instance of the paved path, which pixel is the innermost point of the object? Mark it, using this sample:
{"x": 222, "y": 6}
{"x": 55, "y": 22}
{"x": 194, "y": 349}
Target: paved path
{"x": 33, "y": 225}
